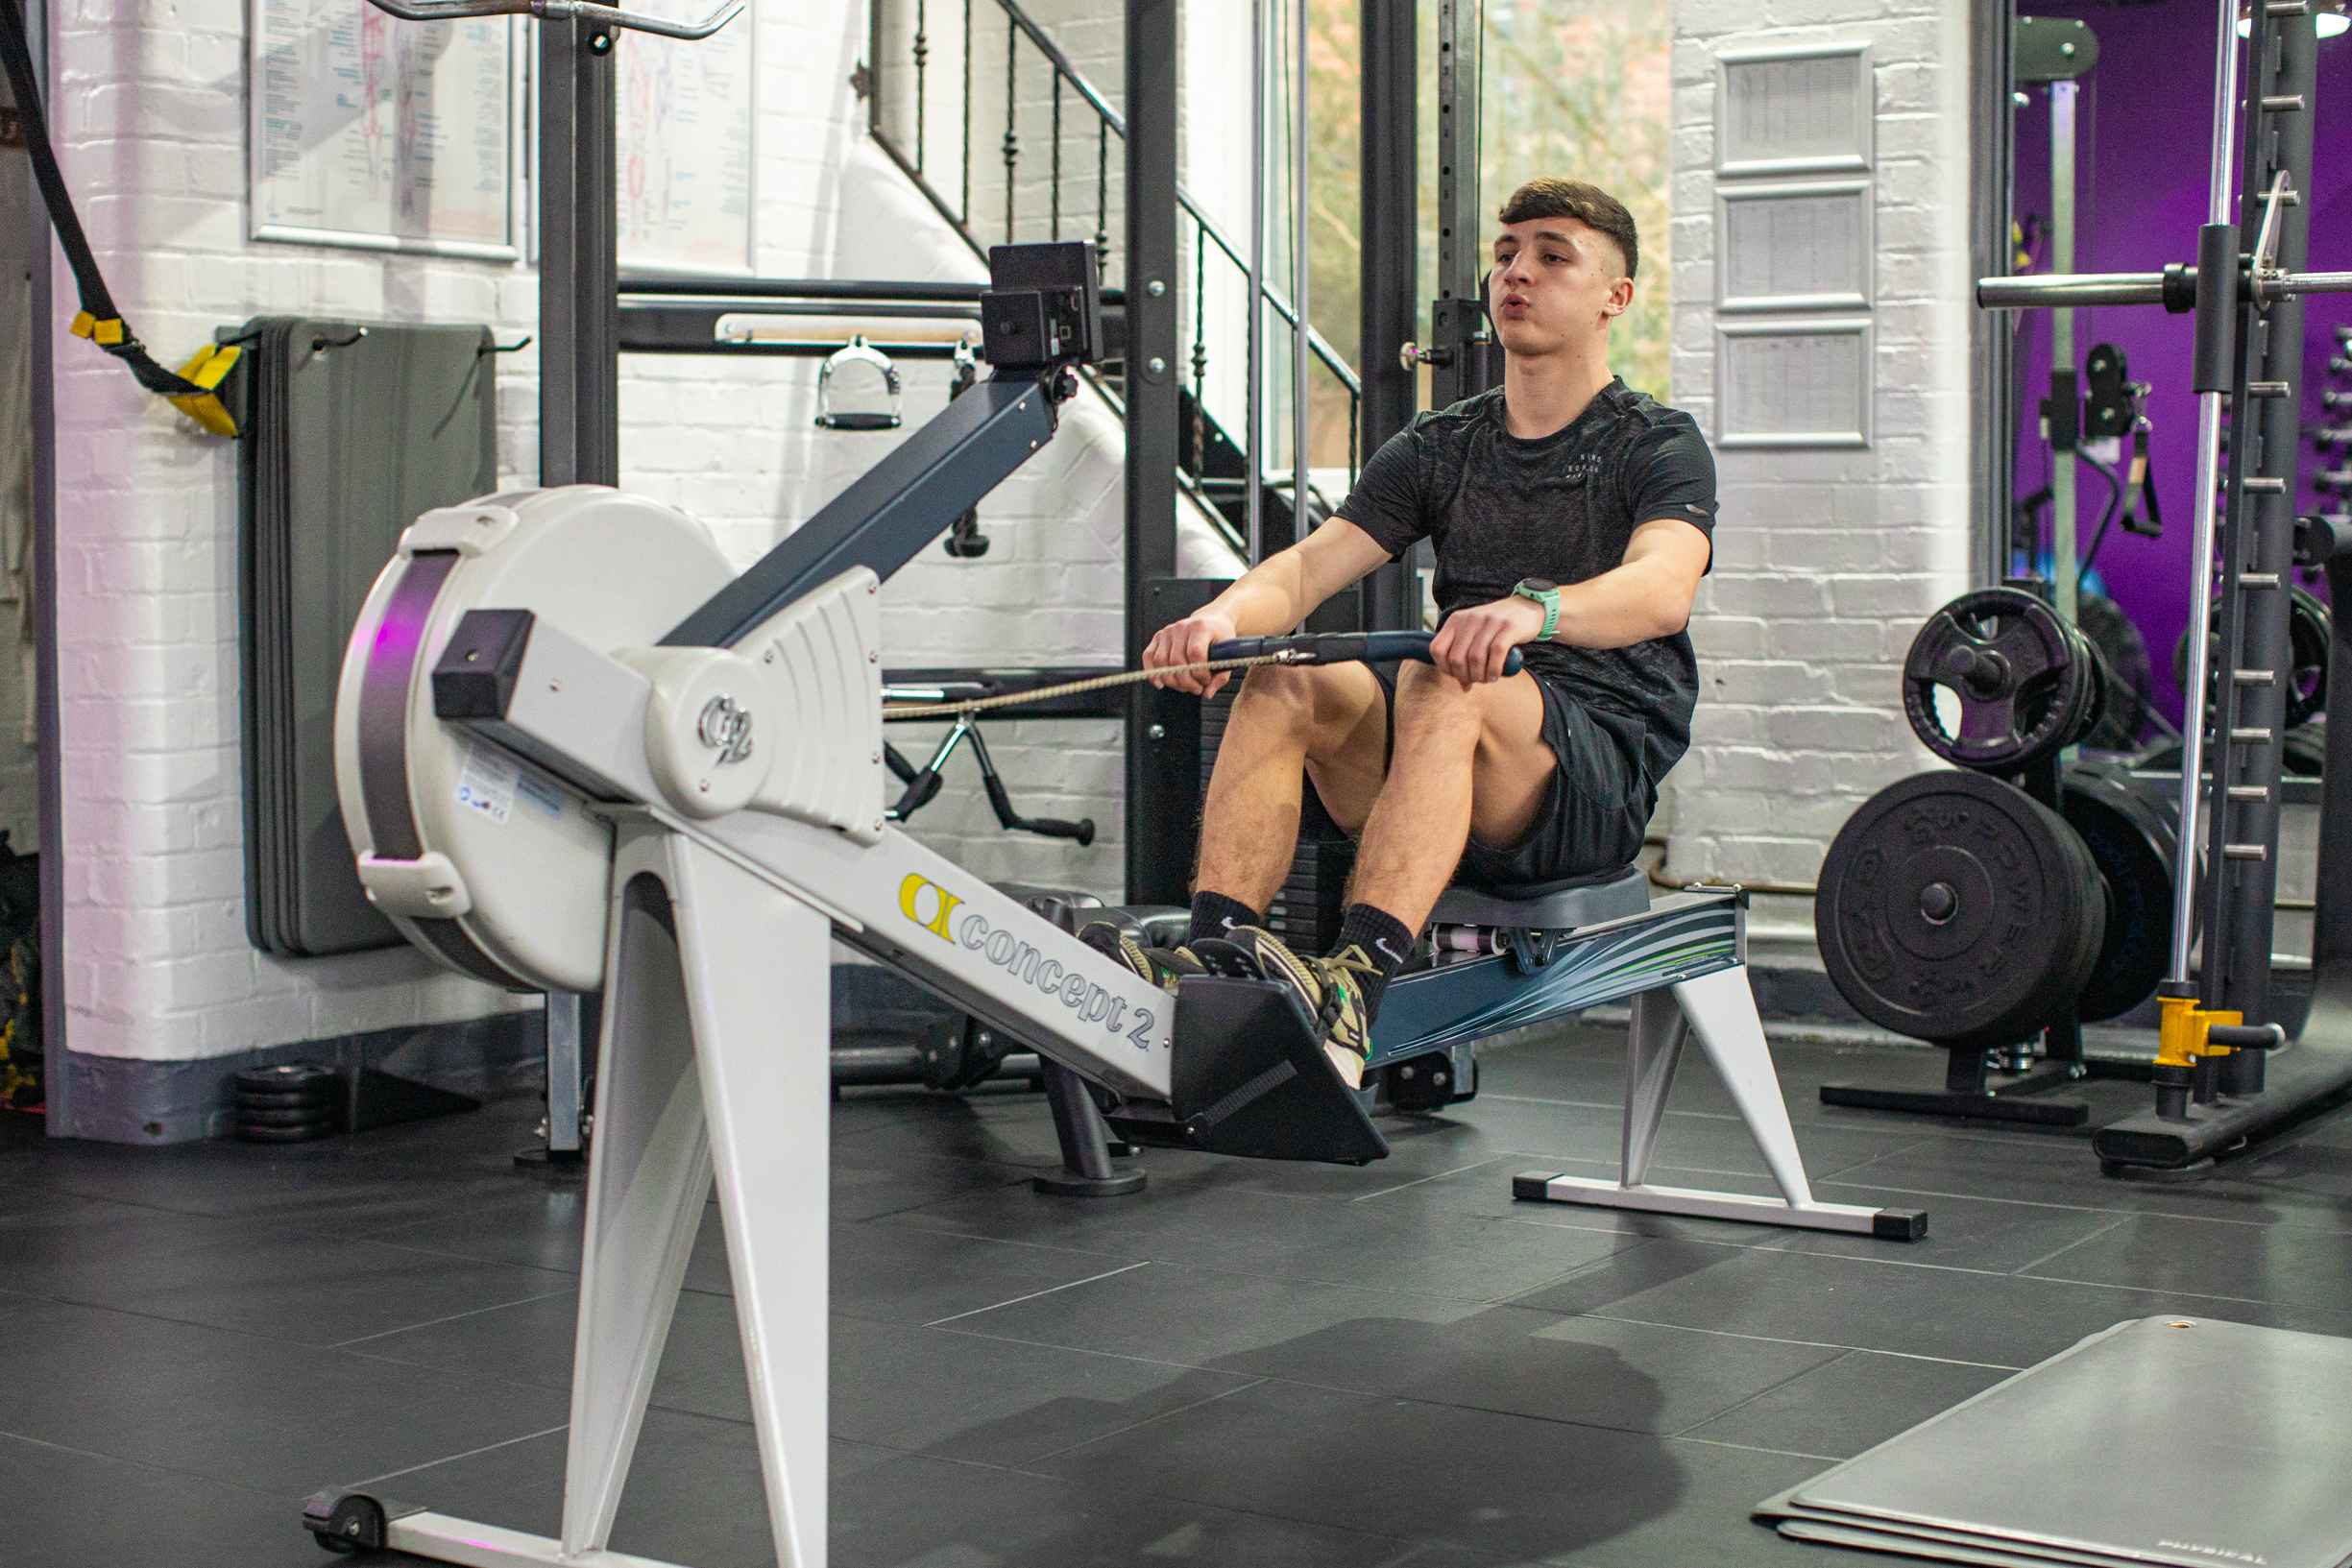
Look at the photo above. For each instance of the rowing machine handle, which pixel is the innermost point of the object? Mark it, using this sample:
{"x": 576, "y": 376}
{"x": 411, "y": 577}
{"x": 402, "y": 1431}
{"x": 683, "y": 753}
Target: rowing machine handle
{"x": 1344, "y": 648}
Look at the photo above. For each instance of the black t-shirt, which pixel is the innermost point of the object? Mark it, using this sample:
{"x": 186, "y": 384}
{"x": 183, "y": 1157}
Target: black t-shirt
{"x": 1498, "y": 508}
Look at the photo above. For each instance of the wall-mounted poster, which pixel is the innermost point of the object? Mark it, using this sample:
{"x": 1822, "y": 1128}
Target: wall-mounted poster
{"x": 389, "y": 135}
{"x": 683, "y": 125}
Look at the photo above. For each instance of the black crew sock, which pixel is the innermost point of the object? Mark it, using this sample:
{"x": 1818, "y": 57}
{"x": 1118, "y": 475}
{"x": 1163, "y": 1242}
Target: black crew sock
{"x": 1383, "y": 939}
{"x": 1215, "y": 915}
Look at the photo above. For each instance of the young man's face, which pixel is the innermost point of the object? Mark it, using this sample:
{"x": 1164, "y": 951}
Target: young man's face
{"x": 1556, "y": 282}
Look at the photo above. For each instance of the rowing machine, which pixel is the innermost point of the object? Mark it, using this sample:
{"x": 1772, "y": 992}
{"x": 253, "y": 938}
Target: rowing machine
{"x": 574, "y": 753}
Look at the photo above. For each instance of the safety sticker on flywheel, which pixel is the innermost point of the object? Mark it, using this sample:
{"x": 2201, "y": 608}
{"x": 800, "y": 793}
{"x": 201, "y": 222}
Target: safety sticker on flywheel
{"x": 487, "y": 783}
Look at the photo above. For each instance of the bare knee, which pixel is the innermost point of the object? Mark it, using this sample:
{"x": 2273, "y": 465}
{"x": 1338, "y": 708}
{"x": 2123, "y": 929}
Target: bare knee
{"x": 1285, "y": 689}
{"x": 1431, "y": 706}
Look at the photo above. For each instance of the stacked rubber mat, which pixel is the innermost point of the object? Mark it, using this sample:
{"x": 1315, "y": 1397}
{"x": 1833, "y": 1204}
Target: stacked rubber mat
{"x": 2164, "y": 1441}
{"x": 350, "y": 431}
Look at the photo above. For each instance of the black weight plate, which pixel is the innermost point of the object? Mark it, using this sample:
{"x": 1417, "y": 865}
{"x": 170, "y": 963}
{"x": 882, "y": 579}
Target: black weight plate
{"x": 291, "y": 1099}
{"x": 295, "y": 1115}
{"x": 2310, "y": 636}
{"x": 2125, "y": 650}
{"x": 2013, "y": 667}
{"x": 2062, "y": 999}
{"x": 1953, "y": 908}
{"x": 2306, "y": 750}
{"x": 285, "y": 1076}
{"x": 2094, "y": 690}
{"x": 2134, "y": 847}
{"x": 286, "y": 1135}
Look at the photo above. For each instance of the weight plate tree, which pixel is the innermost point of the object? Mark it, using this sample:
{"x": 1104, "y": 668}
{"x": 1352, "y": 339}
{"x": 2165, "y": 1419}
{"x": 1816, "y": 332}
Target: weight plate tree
{"x": 1938, "y": 904}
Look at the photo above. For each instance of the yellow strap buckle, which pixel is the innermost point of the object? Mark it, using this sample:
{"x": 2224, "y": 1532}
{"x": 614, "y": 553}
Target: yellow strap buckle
{"x": 206, "y": 369}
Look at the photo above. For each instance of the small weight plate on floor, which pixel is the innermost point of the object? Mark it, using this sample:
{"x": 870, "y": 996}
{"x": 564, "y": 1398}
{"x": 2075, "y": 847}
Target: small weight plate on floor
{"x": 1953, "y": 907}
{"x": 292, "y": 1115}
{"x": 2015, "y": 668}
{"x": 2136, "y": 855}
{"x": 251, "y": 1105}
{"x": 286, "y": 1135}
{"x": 287, "y": 1077}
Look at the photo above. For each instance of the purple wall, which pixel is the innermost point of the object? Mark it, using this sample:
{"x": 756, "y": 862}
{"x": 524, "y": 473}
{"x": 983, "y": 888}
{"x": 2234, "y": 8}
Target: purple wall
{"x": 2144, "y": 132}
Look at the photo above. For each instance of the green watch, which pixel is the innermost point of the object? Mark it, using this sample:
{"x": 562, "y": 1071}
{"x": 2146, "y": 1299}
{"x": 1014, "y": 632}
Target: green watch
{"x": 1547, "y": 594}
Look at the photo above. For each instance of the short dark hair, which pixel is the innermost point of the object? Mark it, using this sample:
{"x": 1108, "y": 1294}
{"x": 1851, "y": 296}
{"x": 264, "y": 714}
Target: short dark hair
{"x": 1588, "y": 204}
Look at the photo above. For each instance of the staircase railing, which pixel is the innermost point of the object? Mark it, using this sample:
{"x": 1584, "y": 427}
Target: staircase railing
{"x": 1212, "y": 461}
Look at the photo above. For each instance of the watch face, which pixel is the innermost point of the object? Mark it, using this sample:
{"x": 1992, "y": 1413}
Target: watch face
{"x": 1539, "y": 585}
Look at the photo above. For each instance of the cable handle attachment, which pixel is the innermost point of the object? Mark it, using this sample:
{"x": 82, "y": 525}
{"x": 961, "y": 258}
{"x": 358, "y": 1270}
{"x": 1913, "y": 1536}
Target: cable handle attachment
{"x": 1342, "y": 648}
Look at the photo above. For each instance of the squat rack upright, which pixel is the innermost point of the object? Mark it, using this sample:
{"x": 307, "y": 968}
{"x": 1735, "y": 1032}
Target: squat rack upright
{"x": 2215, "y": 1088}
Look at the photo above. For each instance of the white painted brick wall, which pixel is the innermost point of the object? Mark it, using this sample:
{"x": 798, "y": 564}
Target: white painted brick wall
{"x": 151, "y": 123}
{"x": 1826, "y": 561}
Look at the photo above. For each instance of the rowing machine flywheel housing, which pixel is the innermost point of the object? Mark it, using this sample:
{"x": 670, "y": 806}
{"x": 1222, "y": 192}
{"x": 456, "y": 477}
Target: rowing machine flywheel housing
{"x": 421, "y": 798}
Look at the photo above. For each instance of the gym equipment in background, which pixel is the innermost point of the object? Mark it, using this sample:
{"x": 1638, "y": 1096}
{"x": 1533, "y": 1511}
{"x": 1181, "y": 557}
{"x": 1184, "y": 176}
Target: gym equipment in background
{"x": 1938, "y": 900}
{"x": 2217, "y": 1086}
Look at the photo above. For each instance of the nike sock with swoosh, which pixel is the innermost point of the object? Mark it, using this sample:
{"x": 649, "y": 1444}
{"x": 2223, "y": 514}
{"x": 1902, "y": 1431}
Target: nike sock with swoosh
{"x": 1214, "y": 914}
{"x": 1384, "y": 941}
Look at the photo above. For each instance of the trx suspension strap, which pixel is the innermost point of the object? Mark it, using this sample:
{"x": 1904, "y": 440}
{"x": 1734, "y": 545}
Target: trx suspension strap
{"x": 194, "y": 388}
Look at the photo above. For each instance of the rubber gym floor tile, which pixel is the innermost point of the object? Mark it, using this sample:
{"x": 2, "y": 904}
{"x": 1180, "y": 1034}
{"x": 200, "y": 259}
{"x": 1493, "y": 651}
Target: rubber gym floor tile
{"x": 1229, "y": 1322}
{"x": 1995, "y": 1319}
{"x": 702, "y": 1363}
{"x": 253, "y": 1277}
{"x": 694, "y": 1496}
{"x": 1255, "y": 1232}
{"x": 242, "y": 1409}
{"x": 861, "y": 1190}
{"x": 334, "y": 1182}
{"x": 537, "y": 1225}
{"x": 993, "y": 1401}
{"x": 897, "y": 1274}
{"x": 63, "y": 1509}
{"x": 1962, "y": 1233}
{"x": 1856, "y": 1401}
{"x": 1500, "y": 1485}
{"x": 2299, "y": 1184}
{"x": 2255, "y": 1263}
{"x": 1598, "y": 1372}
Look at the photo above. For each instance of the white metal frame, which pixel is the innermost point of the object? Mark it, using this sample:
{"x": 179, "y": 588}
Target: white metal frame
{"x": 1720, "y": 1010}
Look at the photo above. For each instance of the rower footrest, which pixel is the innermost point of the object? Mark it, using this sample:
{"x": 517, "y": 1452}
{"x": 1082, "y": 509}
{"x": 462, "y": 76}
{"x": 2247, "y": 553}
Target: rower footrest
{"x": 1250, "y": 1078}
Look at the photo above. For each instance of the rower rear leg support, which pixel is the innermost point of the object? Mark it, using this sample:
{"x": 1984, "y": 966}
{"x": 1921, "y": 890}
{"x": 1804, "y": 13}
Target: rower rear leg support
{"x": 1720, "y": 1010}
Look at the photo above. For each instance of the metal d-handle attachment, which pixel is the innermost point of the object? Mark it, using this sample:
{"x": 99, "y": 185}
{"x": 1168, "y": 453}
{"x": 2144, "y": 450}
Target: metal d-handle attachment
{"x": 558, "y": 11}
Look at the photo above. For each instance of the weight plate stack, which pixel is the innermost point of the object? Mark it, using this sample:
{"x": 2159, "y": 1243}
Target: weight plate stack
{"x": 2309, "y": 635}
{"x": 1958, "y": 909}
{"x": 2024, "y": 681}
{"x": 2133, "y": 842}
{"x": 291, "y": 1102}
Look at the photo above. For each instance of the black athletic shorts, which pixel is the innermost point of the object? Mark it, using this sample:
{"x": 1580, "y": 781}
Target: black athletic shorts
{"x": 1595, "y": 812}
